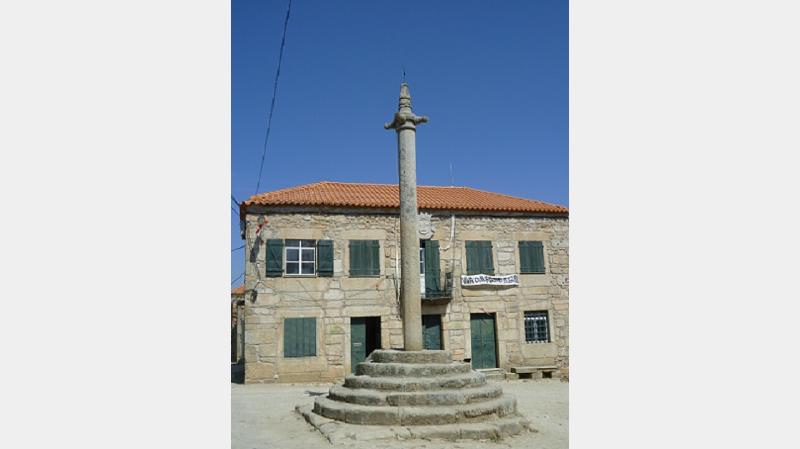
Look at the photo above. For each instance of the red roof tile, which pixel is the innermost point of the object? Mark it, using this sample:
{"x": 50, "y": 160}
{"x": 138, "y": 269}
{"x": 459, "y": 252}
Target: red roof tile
{"x": 238, "y": 290}
{"x": 386, "y": 196}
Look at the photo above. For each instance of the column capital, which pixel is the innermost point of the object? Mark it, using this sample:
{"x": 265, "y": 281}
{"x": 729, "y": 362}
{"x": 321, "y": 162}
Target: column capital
{"x": 405, "y": 118}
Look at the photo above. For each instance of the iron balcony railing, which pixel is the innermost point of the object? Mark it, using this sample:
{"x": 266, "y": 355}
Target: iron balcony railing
{"x": 444, "y": 290}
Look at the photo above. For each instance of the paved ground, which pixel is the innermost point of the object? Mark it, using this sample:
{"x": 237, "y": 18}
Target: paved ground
{"x": 263, "y": 417}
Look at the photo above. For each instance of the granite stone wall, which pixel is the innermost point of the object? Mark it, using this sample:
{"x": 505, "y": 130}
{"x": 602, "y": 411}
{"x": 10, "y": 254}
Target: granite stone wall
{"x": 334, "y": 300}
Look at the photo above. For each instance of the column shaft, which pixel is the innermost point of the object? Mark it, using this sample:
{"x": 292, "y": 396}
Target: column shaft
{"x": 409, "y": 241}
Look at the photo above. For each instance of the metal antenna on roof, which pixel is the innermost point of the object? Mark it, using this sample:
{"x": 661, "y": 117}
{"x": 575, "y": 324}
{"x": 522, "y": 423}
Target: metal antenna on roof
{"x": 452, "y": 178}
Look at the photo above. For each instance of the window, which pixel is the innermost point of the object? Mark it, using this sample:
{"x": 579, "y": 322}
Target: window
{"x": 479, "y": 257}
{"x": 364, "y": 258}
{"x": 429, "y": 270}
{"x": 300, "y": 257}
{"x": 531, "y": 257}
{"x": 299, "y": 337}
{"x": 536, "y": 328}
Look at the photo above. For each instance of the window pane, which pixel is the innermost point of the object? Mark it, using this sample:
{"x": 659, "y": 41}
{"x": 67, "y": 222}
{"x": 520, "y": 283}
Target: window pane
{"x": 308, "y": 268}
{"x": 292, "y": 255}
{"x": 292, "y": 268}
{"x": 308, "y": 255}
{"x": 292, "y": 242}
{"x": 308, "y": 243}
{"x": 536, "y": 327}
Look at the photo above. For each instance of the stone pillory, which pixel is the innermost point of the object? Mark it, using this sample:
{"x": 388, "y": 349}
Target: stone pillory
{"x": 417, "y": 391}
{"x": 413, "y": 299}
{"x": 405, "y": 123}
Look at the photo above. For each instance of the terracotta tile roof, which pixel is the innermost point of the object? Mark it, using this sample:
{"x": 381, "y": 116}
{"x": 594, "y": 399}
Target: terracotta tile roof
{"x": 386, "y": 196}
{"x": 238, "y": 291}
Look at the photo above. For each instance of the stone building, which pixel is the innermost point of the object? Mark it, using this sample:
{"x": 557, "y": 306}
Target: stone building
{"x": 322, "y": 280}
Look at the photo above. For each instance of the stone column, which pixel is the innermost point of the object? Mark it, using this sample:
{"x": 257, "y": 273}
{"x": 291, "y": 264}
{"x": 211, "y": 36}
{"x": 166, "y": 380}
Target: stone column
{"x": 405, "y": 123}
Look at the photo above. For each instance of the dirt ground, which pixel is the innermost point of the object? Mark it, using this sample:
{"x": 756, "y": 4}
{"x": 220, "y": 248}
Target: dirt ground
{"x": 263, "y": 417}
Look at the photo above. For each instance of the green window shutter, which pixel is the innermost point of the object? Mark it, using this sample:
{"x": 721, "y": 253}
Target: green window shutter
{"x": 325, "y": 258}
{"x": 538, "y": 257}
{"x": 531, "y": 257}
{"x": 309, "y": 337}
{"x": 299, "y": 337}
{"x": 274, "y": 257}
{"x": 473, "y": 257}
{"x": 479, "y": 257}
{"x": 364, "y": 258}
{"x": 373, "y": 249}
{"x": 290, "y": 337}
{"x": 356, "y": 256}
{"x": 432, "y": 278}
{"x": 525, "y": 262}
{"x": 487, "y": 265}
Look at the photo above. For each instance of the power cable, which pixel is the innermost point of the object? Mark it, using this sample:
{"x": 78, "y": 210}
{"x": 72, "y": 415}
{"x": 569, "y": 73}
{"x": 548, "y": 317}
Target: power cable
{"x": 274, "y": 94}
{"x": 237, "y": 278}
{"x": 236, "y": 202}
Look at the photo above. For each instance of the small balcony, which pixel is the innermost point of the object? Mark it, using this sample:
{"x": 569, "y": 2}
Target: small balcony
{"x": 443, "y": 293}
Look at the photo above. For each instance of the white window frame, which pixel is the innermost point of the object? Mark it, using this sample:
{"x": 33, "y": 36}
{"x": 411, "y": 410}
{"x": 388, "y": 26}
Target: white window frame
{"x": 537, "y": 315}
{"x": 300, "y": 261}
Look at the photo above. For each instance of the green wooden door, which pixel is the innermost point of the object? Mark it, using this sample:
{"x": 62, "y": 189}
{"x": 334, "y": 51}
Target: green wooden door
{"x": 432, "y": 331}
{"x": 365, "y": 337}
{"x": 483, "y": 341}
{"x": 358, "y": 341}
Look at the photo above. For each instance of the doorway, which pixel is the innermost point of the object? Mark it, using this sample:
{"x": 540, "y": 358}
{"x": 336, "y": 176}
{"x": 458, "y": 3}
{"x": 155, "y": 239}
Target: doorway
{"x": 432, "y": 331}
{"x": 365, "y": 337}
{"x": 484, "y": 340}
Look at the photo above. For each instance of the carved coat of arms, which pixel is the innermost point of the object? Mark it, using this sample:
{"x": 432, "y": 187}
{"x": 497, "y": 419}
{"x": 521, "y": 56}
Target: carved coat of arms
{"x": 424, "y": 226}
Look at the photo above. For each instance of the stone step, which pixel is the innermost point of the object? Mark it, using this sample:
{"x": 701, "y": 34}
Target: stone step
{"x": 411, "y": 369}
{"x": 426, "y": 356}
{"x": 490, "y": 430}
{"x": 415, "y": 415}
{"x": 493, "y": 374}
{"x": 423, "y": 398}
{"x": 341, "y": 432}
{"x": 466, "y": 380}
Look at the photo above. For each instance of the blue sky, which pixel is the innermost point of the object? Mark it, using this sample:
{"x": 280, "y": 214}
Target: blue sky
{"x": 492, "y": 77}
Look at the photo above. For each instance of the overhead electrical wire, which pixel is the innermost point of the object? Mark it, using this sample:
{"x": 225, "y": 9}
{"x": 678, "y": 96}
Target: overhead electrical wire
{"x": 236, "y": 202}
{"x": 274, "y": 94}
{"x": 269, "y": 119}
{"x": 237, "y": 278}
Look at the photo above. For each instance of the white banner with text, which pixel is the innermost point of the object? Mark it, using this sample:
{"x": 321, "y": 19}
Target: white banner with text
{"x": 485, "y": 279}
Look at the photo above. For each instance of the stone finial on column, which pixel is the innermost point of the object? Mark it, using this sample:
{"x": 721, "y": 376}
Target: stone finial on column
{"x": 405, "y": 118}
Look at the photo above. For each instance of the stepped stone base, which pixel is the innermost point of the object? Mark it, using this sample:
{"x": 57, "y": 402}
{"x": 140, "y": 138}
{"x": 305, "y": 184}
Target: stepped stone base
{"x": 338, "y": 432}
{"x": 415, "y": 394}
